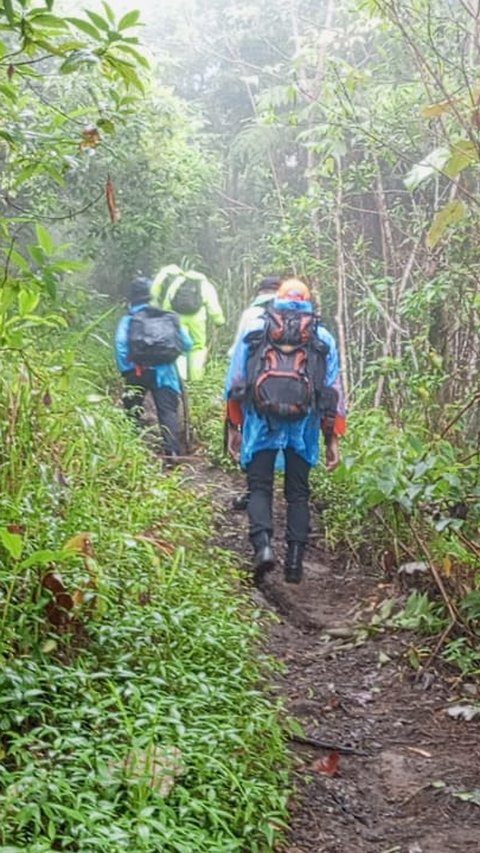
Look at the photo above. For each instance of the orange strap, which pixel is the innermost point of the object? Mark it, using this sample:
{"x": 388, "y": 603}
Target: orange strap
{"x": 339, "y": 426}
{"x": 234, "y": 413}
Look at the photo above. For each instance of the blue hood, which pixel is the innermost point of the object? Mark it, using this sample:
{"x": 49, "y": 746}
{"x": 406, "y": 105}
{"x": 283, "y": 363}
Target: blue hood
{"x": 301, "y": 306}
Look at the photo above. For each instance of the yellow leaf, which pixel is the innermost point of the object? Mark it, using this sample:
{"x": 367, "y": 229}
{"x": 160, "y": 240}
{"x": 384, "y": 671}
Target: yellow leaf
{"x": 78, "y": 597}
{"x": 447, "y": 566}
{"x": 463, "y": 154}
{"x": 81, "y": 543}
{"x": 437, "y": 109}
{"x": 448, "y": 215}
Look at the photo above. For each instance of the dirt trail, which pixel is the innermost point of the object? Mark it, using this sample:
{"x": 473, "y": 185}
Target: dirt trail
{"x": 404, "y": 762}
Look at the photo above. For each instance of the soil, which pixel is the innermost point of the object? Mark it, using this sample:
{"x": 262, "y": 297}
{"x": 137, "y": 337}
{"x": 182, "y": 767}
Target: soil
{"x": 408, "y": 775}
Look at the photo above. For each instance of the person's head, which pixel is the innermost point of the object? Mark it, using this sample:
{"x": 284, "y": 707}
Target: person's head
{"x": 269, "y": 284}
{"x": 294, "y": 290}
{"x": 139, "y": 290}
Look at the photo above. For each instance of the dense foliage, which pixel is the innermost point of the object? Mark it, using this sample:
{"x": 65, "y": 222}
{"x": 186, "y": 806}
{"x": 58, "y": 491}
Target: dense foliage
{"x": 348, "y": 134}
{"x": 335, "y": 139}
{"x": 132, "y": 716}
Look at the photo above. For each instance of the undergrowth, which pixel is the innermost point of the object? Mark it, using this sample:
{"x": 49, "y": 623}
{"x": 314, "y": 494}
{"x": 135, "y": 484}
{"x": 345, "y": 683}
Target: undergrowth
{"x": 132, "y": 711}
{"x": 403, "y": 499}
{"x": 207, "y": 412}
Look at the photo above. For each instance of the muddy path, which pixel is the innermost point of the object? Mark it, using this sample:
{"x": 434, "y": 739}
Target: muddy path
{"x": 408, "y": 777}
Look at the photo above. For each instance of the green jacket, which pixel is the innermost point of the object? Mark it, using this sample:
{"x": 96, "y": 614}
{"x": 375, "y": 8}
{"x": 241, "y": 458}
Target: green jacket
{"x": 195, "y": 323}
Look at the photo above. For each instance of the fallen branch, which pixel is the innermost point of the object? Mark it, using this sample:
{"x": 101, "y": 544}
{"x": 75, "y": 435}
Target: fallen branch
{"x": 436, "y": 650}
{"x": 323, "y": 744}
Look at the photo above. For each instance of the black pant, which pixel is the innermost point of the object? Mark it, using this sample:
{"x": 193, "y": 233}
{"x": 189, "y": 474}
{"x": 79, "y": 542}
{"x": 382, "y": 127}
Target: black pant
{"x": 260, "y": 474}
{"x": 166, "y": 405}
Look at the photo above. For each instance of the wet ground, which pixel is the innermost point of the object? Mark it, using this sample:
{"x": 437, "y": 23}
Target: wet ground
{"x": 405, "y": 776}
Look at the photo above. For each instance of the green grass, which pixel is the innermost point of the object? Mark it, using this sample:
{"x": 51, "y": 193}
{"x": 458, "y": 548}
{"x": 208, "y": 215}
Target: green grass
{"x": 161, "y": 653}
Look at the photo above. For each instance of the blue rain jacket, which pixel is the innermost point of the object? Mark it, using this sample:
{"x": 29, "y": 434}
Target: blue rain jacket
{"x": 166, "y": 375}
{"x": 260, "y": 433}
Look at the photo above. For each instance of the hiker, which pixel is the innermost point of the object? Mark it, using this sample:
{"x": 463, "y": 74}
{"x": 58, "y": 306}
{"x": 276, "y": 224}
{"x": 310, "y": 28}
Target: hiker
{"x": 264, "y": 296}
{"x": 148, "y": 342}
{"x": 162, "y": 282}
{"x": 195, "y": 300}
{"x": 282, "y": 387}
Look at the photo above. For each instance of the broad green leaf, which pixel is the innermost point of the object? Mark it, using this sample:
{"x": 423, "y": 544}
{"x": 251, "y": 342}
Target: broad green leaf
{"x": 19, "y": 261}
{"x": 86, "y": 27}
{"x": 36, "y": 254}
{"x": 76, "y": 58}
{"x": 27, "y": 301}
{"x": 45, "y": 239}
{"x": 431, "y": 165}
{"x": 106, "y": 125}
{"x": 40, "y": 558}
{"x": 129, "y": 20}
{"x": 67, "y": 266}
{"x": 447, "y": 216}
{"x": 463, "y": 154}
{"x": 142, "y": 60}
{"x": 125, "y": 69}
{"x": 65, "y": 47}
{"x": 26, "y": 173}
{"x": 108, "y": 12}
{"x": 51, "y": 22}
{"x": 9, "y": 91}
{"x": 8, "y": 6}
{"x": 4, "y": 134}
{"x": 49, "y": 46}
{"x": 99, "y": 22}
{"x": 12, "y": 542}
{"x": 57, "y": 177}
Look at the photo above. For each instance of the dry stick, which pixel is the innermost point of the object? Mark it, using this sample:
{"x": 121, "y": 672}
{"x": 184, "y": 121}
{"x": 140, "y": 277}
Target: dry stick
{"x": 341, "y": 281}
{"x": 398, "y": 541}
{"x": 436, "y": 650}
{"x": 472, "y": 546}
{"x": 71, "y": 215}
{"x": 388, "y": 243}
{"x": 467, "y": 406}
{"x": 397, "y": 301}
{"x": 324, "y": 744}
{"x": 451, "y": 423}
{"x": 454, "y": 615}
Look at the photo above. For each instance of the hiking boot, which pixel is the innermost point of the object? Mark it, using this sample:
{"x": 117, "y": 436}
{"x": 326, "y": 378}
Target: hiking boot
{"x": 263, "y": 560}
{"x": 240, "y": 503}
{"x": 294, "y": 562}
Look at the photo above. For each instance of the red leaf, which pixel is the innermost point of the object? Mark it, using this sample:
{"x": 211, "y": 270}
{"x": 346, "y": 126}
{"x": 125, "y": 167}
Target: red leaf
{"x": 16, "y": 528}
{"x": 328, "y": 764}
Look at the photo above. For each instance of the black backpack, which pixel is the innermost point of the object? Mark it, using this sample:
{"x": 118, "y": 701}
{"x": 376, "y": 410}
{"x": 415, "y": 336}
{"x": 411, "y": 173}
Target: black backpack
{"x": 287, "y": 366}
{"x": 154, "y": 337}
{"x": 188, "y": 296}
